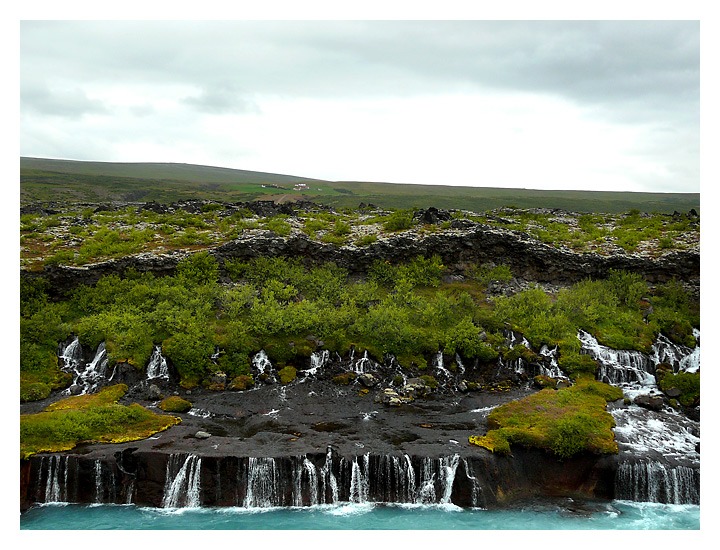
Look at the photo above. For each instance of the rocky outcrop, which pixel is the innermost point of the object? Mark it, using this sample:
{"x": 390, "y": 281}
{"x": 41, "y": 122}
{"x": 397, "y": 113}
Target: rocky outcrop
{"x": 474, "y": 243}
{"x": 475, "y": 478}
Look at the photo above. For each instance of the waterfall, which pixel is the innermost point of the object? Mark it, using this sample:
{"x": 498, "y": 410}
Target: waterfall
{"x": 476, "y": 495}
{"x": 651, "y": 481}
{"x": 362, "y": 363}
{"x": 56, "y": 478}
{"x": 318, "y": 359}
{"x": 72, "y": 355}
{"x": 359, "y": 483}
{"x": 619, "y": 367}
{"x": 98, "y": 482}
{"x": 309, "y": 468}
{"x": 550, "y": 356}
{"x": 157, "y": 366}
{"x": 182, "y": 482}
{"x": 440, "y": 365}
{"x": 680, "y": 357}
{"x": 262, "y": 484}
{"x": 89, "y": 379}
{"x": 461, "y": 367}
{"x": 261, "y": 362}
{"x": 448, "y": 469}
{"x": 329, "y": 480}
{"x": 426, "y": 491}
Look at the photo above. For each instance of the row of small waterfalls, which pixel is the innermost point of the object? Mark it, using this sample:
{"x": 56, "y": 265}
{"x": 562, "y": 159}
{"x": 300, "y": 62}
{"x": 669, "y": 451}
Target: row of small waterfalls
{"x": 659, "y": 459}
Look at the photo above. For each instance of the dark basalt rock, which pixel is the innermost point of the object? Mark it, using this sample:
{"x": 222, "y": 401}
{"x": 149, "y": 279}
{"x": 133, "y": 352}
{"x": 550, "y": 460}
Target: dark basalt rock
{"x": 652, "y": 402}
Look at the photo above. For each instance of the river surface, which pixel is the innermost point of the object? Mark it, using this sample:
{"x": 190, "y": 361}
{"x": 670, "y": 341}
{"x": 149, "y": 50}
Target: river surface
{"x": 561, "y": 514}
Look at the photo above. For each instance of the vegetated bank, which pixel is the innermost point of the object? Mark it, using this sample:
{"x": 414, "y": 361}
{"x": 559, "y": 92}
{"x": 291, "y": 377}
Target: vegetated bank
{"x": 247, "y": 335}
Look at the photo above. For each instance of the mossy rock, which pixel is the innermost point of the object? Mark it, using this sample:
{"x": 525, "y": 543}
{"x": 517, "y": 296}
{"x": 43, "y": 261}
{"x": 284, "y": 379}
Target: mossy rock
{"x": 345, "y": 378}
{"x": 63, "y": 380}
{"x": 287, "y": 374}
{"x": 430, "y": 381}
{"x": 175, "y": 404}
{"x": 565, "y": 422}
{"x": 242, "y": 382}
{"x": 398, "y": 380}
{"x": 687, "y": 383}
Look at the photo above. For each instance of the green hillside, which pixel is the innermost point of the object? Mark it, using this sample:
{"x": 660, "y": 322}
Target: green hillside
{"x": 79, "y": 181}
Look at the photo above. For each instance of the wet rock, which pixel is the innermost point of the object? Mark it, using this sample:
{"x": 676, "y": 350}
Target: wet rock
{"x": 462, "y": 386}
{"x": 391, "y": 398}
{"x": 415, "y": 387}
{"x": 652, "y": 402}
{"x": 202, "y": 435}
{"x": 368, "y": 380}
{"x": 673, "y": 392}
{"x": 153, "y": 393}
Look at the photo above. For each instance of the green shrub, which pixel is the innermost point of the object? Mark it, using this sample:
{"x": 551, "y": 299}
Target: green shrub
{"x": 398, "y": 221}
{"x": 687, "y": 383}
{"x": 366, "y": 240}
{"x": 278, "y": 226}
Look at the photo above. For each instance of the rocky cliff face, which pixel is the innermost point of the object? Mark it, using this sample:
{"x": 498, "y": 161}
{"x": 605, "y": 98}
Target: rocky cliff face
{"x": 467, "y": 243}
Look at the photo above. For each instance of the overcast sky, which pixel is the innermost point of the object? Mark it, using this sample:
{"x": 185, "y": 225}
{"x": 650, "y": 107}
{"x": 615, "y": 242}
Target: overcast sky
{"x": 548, "y": 105}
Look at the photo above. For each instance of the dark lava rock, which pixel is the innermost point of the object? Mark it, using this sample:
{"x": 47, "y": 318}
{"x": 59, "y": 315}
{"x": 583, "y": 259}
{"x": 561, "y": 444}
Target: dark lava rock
{"x": 153, "y": 393}
{"x": 652, "y": 402}
{"x": 673, "y": 392}
{"x": 368, "y": 380}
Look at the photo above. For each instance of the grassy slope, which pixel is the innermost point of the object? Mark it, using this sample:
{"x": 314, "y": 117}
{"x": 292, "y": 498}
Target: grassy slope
{"x": 45, "y": 179}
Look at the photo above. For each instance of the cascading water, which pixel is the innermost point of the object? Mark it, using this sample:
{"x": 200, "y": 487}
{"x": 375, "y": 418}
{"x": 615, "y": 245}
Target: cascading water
{"x": 359, "y": 484}
{"x": 262, "y": 363}
{"x": 362, "y": 364}
{"x": 98, "y": 482}
{"x": 448, "y": 469}
{"x": 476, "y": 494}
{"x": 157, "y": 366}
{"x": 88, "y": 380}
{"x": 628, "y": 369}
{"x": 440, "y": 366}
{"x": 329, "y": 481}
{"x": 182, "y": 482}
{"x": 318, "y": 359}
{"x": 659, "y": 456}
{"x": 262, "y": 483}
{"x": 550, "y": 365}
{"x": 682, "y": 358}
{"x": 650, "y": 481}
{"x": 55, "y": 469}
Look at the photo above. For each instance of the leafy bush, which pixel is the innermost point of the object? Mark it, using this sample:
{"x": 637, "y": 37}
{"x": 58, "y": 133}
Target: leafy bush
{"x": 398, "y": 221}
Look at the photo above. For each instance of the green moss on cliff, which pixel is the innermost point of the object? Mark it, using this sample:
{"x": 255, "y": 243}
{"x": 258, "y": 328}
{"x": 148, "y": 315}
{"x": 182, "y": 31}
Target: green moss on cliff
{"x": 565, "y": 422}
{"x": 88, "y": 418}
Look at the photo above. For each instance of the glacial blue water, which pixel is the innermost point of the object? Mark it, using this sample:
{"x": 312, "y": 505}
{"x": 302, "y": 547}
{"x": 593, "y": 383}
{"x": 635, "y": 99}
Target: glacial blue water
{"x": 619, "y": 515}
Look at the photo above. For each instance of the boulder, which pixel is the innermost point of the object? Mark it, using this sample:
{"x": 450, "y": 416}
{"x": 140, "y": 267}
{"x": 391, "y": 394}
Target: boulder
{"x": 202, "y": 435}
{"x": 673, "y": 392}
{"x": 153, "y": 393}
{"x": 652, "y": 402}
{"x": 368, "y": 380}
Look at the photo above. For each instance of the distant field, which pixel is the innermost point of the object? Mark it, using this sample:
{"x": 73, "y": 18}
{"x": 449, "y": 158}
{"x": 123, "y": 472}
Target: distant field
{"x": 79, "y": 181}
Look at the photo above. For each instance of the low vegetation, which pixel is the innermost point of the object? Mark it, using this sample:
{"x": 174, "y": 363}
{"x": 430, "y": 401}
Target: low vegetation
{"x": 564, "y": 422}
{"x": 278, "y": 305}
{"x": 88, "y": 418}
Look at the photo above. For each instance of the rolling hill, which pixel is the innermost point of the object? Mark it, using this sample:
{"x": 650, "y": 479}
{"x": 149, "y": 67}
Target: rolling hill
{"x": 81, "y": 181}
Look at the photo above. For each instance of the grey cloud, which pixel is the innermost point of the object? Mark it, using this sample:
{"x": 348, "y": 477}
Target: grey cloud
{"x": 222, "y": 99}
{"x": 64, "y": 102}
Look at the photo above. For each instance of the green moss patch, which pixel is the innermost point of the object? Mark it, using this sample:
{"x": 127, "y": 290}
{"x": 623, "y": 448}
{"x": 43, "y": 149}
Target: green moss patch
{"x": 687, "y": 383}
{"x": 242, "y": 382}
{"x": 287, "y": 374}
{"x": 565, "y": 422}
{"x": 175, "y": 404}
{"x": 95, "y": 418}
{"x": 105, "y": 396}
{"x": 344, "y": 379}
